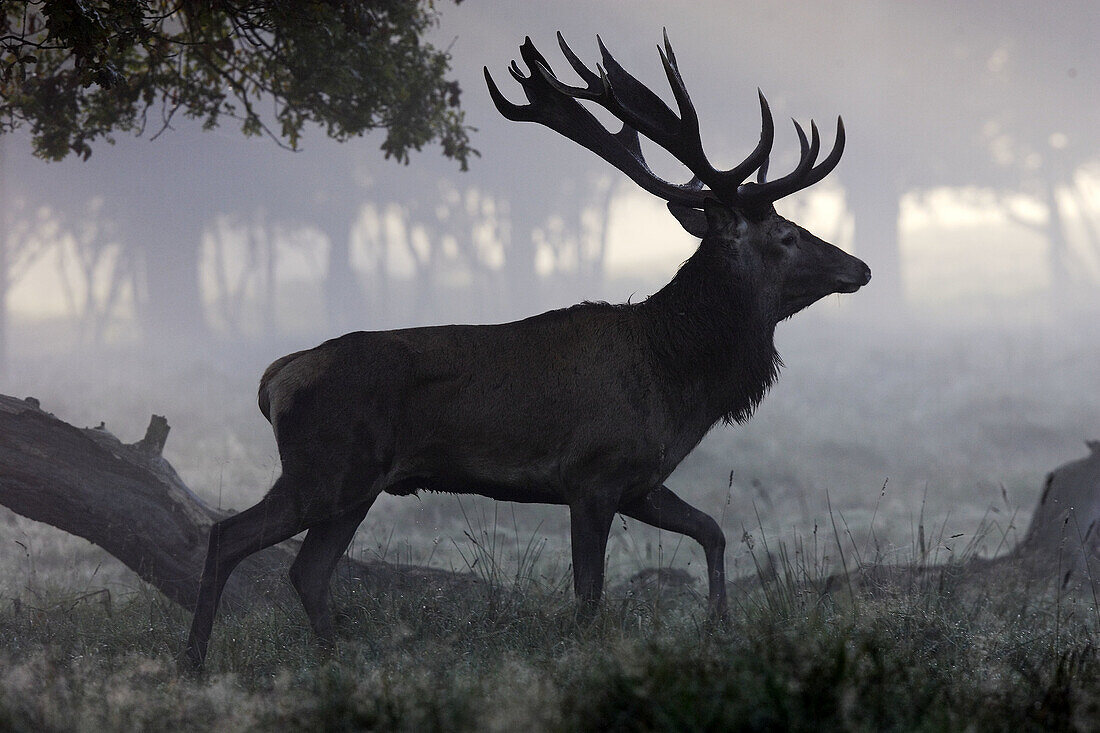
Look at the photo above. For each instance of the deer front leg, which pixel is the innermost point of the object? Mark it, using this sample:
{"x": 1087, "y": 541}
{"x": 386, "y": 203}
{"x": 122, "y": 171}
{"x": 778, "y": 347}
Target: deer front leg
{"x": 663, "y": 509}
{"x": 589, "y": 524}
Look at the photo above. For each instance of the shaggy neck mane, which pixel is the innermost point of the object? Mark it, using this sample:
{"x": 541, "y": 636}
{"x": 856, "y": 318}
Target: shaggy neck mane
{"x": 713, "y": 338}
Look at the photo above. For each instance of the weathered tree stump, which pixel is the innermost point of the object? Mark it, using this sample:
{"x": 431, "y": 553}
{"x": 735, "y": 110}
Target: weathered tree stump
{"x": 1061, "y": 545}
{"x": 1064, "y": 534}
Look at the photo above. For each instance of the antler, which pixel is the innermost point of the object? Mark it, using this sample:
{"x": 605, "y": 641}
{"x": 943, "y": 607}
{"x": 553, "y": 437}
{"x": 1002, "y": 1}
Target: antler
{"x": 805, "y": 173}
{"x": 560, "y": 111}
{"x": 554, "y": 104}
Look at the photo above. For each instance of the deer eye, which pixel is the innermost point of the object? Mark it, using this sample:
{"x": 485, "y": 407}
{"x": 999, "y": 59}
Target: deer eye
{"x": 789, "y": 239}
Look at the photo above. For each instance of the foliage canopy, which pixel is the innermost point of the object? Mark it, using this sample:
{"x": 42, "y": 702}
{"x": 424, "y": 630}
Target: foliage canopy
{"x": 75, "y": 71}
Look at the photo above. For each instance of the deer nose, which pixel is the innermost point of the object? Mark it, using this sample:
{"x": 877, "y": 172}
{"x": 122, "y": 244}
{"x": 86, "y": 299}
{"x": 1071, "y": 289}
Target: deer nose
{"x": 854, "y": 277}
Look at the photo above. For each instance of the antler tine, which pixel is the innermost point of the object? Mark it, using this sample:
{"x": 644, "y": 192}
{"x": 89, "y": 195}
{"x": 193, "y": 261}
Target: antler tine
{"x": 638, "y": 106}
{"x": 592, "y": 92}
{"x": 826, "y": 166}
{"x": 668, "y": 48}
{"x": 596, "y": 82}
{"x": 757, "y": 159}
{"x": 511, "y": 111}
{"x": 676, "y": 82}
{"x": 688, "y": 115}
{"x": 598, "y": 89}
{"x": 805, "y": 173}
{"x": 689, "y": 141}
{"x": 643, "y": 111}
{"x": 774, "y": 190}
{"x": 552, "y": 104}
{"x": 723, "y": 183}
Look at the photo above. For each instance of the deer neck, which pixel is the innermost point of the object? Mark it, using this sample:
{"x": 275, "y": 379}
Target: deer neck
{"x": 713, "y": 339}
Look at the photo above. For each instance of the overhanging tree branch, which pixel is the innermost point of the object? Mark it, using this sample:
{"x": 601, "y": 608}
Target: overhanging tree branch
{"x": 76, "y": 72}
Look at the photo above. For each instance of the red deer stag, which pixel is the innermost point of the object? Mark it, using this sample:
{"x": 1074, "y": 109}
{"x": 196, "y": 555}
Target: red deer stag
{"x": 591, "y": 406}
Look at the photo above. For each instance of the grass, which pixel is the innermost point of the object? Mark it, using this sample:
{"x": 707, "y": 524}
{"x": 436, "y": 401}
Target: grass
{"x": 503, "y": 653}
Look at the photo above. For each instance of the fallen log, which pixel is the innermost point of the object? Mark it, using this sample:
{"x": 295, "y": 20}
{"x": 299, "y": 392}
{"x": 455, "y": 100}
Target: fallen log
{"x": 128, "y": 499}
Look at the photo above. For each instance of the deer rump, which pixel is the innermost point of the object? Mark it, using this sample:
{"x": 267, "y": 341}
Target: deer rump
{"x": 539, "y": 410}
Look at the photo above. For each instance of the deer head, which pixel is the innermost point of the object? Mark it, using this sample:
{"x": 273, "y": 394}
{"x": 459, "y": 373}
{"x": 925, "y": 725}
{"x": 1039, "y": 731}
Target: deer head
{"x": 789, "y": 268}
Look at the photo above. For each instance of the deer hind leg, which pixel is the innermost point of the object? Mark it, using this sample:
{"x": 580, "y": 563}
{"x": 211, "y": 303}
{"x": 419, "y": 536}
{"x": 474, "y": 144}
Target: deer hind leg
{"x": 663, "y": 509}
{"x": 589, "y": 524}
{"x": 272, "y": 520}
{"x": 312, "y": 570}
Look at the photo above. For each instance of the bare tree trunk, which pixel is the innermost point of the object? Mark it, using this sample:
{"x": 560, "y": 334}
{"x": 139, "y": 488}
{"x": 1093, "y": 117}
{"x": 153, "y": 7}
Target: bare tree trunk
{"x": 171, "y": 304}
{"x": 5, "y": 263}
{"x": 595, "y": 259}
{"x": 877, "y": 208}
{"x": 265, "y": 240}
{"x": 343, "y": 296}
{"x": 525, "y": 296}
{"x": 5, "y": 282}
{"x": 1088, "y": 223}
{"x": 1057, "y": 244}
{"x": 131, "y": 502}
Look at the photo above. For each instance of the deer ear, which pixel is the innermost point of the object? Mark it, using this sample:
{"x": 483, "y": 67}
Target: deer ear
{"x": 692, "y": 220}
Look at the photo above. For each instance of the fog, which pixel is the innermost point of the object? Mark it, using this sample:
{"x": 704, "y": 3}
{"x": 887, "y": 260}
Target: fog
{"x": 163, "y": 274}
